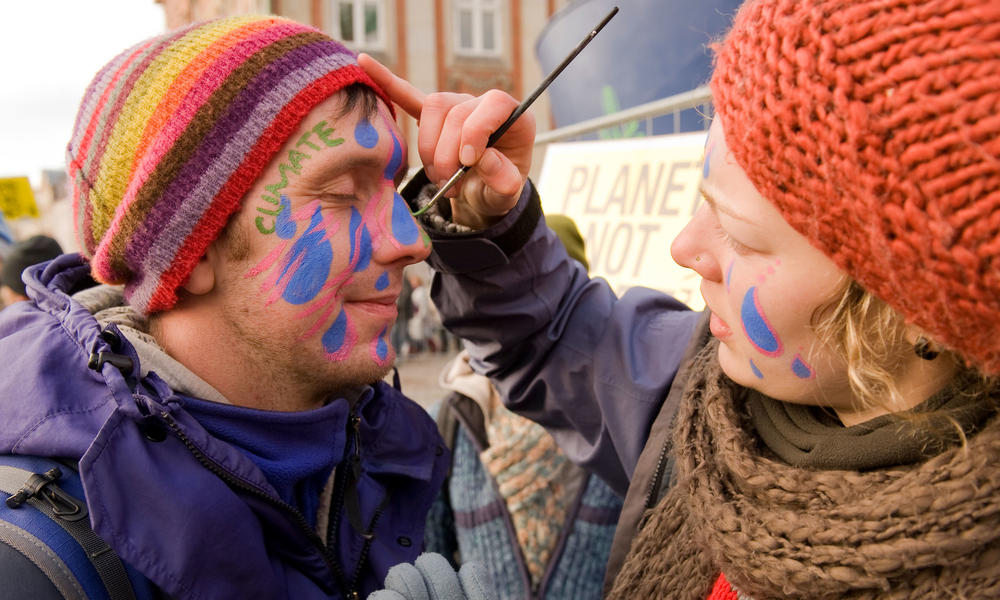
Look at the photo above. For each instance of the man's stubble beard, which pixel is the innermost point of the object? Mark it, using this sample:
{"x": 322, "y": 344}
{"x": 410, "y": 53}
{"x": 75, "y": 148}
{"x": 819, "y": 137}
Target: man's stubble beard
{"x": 268, "y": 354}
{"x": 279, "y": 357}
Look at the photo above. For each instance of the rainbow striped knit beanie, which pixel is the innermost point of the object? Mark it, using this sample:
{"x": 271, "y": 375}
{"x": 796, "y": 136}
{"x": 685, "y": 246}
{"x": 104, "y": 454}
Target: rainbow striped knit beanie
{"x": 174, "y": 131}
{"x": 874, "y": 127}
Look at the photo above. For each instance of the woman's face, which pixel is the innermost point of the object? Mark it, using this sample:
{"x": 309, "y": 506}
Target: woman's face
{"x": 763, "y": 282}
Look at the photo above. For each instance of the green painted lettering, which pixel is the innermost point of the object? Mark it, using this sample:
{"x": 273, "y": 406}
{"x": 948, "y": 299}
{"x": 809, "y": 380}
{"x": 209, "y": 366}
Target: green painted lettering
{"x": 324, "y": 134}
{"x": 274, "y": 187}
{"x": 305, "y": 140}
{"x": 295, "y": 158}
{"x": 260, "y": 225}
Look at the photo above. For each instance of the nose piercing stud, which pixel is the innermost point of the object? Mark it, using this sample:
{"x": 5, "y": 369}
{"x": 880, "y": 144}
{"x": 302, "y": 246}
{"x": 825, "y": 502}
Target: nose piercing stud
{"x": 697, "y": 258}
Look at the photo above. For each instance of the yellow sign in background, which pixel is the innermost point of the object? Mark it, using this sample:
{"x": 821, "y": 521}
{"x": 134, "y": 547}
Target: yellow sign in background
{"x": 629, "y": 198}
{"x": 16, "y": 198}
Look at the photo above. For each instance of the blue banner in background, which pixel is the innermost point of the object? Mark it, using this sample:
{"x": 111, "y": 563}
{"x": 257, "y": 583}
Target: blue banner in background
{"x": 650, "y": 50}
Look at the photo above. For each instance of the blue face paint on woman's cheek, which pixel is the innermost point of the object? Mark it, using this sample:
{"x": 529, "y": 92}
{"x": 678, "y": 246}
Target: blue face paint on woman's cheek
{"x": 756, "y": 326}
{"x": 801, "y": 369}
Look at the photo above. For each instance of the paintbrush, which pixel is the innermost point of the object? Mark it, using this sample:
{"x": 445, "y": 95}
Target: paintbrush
{"x": 523, "y": 106}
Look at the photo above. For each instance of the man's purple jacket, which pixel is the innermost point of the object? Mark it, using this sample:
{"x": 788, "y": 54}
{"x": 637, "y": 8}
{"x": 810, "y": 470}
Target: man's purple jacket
{"x": 210, "y": 500}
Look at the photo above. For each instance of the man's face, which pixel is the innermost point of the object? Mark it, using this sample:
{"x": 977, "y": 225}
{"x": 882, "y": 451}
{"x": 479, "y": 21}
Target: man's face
{"x": 317, "y": 252}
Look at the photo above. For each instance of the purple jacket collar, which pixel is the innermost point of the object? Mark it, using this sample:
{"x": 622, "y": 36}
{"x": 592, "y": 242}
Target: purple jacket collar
{"x": 192, "y": 512}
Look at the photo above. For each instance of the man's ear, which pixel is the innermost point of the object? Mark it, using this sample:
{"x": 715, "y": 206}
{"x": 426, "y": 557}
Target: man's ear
{"x": 202, "y": 278}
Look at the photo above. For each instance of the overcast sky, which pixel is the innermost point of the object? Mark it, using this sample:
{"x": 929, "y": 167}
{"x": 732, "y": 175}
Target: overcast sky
{"x": 49, "y": 51}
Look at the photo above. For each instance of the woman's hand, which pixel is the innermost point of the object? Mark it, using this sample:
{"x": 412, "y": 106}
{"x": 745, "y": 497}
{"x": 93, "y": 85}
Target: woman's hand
{"x": 453, "y": 130}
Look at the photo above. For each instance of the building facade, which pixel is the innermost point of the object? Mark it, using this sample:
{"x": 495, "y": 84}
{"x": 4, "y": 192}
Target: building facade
{"x": 438, "y": 45}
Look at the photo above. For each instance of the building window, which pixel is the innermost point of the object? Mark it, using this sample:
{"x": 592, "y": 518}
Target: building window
{"x": 477, "y": 27}
{"x": 359, "y": 24}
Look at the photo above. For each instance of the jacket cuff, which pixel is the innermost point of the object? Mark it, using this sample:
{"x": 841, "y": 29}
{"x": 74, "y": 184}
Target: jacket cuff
{"x": 456, "y": 251}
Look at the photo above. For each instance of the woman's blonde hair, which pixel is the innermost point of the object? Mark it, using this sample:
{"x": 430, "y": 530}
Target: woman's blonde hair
{"x": 870, "y": 336}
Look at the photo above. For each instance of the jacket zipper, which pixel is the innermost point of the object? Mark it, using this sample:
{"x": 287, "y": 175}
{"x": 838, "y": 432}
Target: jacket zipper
{"x": 354, "y": 463}
{"x": 652, "y": 495}
{"x": 297, "y": 518}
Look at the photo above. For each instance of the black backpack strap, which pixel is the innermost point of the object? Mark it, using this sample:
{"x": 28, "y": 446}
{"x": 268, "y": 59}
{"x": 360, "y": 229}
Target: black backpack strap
{"x": 40, "y": 492}
{"x": 458, "y": 408}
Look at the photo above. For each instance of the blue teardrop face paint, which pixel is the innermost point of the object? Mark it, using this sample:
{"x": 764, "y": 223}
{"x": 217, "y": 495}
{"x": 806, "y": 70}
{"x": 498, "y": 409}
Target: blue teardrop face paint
{"x": 381, "y": 347}
{"x": 284, "y": 223}
{"x": 336, "y": 339}
{"x": 404, "y": 228}
{"x": 756, "y": 371}
{"x": 395, "y": 159}
{"x": 758, "y": 330}
{"x": 801, "y": 369}
{"x": 382, "y": 282}
{"x": 309, "y": 261}
{"x": 365, "y": 134}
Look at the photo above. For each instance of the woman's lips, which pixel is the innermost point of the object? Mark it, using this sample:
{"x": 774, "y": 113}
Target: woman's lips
{"x": 718, "y": 327}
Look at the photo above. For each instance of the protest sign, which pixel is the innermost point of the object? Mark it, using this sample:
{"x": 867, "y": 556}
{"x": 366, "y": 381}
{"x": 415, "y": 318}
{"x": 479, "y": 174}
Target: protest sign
{"x": 629, "y": 198}
{"x": 16, "y": 198}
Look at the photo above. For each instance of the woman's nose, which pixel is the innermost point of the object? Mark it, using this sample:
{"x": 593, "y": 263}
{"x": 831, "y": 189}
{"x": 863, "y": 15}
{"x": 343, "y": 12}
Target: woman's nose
{"x": 694, "y": 246}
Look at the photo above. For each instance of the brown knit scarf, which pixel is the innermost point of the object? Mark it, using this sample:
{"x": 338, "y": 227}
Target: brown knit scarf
{"x": 926, "y": 530}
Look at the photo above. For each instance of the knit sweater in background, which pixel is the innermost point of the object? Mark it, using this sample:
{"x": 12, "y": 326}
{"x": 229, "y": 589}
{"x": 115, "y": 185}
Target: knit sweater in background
{"x": 541, "y": 526}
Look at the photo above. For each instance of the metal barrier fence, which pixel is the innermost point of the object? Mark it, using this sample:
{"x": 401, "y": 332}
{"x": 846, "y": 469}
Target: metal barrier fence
{"x": 699, "y": 97}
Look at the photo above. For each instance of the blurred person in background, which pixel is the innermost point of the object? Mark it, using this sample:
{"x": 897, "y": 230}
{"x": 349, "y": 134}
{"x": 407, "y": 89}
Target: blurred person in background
{"x": 32, "y": 251}
{"x": 513, "y": 502}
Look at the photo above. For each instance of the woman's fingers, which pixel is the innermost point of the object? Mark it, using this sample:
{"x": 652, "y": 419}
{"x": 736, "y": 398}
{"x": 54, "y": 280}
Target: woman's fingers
{"x": 453, "y": 131}
{"x": 401, "y": 91}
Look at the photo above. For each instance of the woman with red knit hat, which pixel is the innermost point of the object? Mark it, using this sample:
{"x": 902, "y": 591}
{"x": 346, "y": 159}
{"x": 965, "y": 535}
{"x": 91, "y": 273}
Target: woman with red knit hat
{"x": 828, "y": 427}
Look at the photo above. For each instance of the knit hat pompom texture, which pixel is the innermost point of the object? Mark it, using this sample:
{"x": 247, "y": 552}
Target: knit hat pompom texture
{"x": 874, "y": 127}
{"x": 174, "y": 131}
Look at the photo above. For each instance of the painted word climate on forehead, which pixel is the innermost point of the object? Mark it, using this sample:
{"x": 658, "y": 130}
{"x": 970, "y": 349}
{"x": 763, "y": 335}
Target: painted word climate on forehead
{"x": 299, "y": 267}
{"x": 317, "y": 138}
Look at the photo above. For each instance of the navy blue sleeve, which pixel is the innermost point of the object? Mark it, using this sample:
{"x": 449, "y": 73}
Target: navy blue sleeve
{"x": 561, "y": 347}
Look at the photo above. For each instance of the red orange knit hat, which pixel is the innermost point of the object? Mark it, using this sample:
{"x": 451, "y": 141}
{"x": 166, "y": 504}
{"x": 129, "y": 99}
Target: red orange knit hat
{"x": 173, "y": 132}
{"x": 874, "y": 127}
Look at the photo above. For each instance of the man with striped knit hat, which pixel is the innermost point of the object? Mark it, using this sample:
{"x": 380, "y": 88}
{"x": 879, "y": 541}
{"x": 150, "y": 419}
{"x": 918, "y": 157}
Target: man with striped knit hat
{"x": 220, "y": 391}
